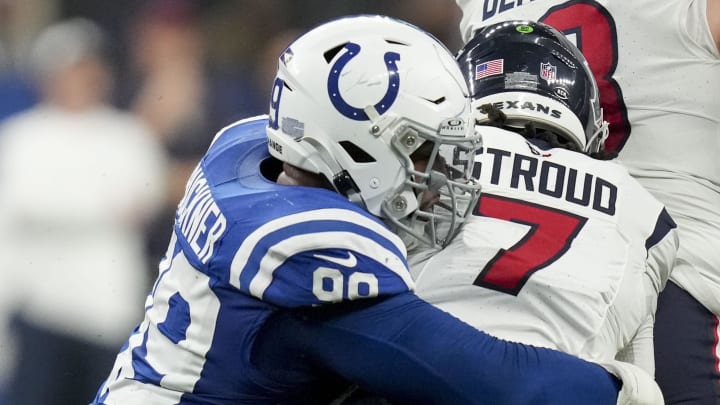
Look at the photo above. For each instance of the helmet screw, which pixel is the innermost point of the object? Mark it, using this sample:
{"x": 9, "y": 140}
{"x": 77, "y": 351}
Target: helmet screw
{"x": 399, "y": 204}
{"x": 410, "y": 140}
{"x": 374, "y": 182}
{"x": 375, "y": 129}
{"x": 409, "y": 137}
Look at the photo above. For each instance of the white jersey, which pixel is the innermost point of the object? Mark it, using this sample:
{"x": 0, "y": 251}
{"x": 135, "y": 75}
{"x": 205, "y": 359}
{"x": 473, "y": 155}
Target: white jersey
{"x": 563, "y": 251}
{"x": 658, "y": 70}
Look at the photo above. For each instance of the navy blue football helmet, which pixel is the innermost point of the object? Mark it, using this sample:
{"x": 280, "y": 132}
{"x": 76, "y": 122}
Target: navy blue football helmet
{"x": 534, "y": 74}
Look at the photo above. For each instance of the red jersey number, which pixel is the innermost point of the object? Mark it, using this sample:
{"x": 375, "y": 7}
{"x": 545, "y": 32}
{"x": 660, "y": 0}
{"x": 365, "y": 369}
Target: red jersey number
{"x": 550, "y": 235}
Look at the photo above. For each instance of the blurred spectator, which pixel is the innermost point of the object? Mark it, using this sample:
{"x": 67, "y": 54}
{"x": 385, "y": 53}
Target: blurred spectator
{"x": 19, "y": 21}
{"x": 180, "y": 95}
{"x": 167, "y": 52}
{"x": 78, "y": 180}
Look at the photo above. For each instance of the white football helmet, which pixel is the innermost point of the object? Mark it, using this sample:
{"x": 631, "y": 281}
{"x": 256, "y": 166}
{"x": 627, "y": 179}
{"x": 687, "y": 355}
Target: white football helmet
{"x": 355, "y": 97}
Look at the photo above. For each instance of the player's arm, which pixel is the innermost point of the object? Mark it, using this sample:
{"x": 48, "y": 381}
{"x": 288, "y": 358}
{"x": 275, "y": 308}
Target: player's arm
{"x": 635, "y": 364}
{"x": 661, "y": 245}
{"x": 640, "y": 351}
{"x": 408, "y": 351}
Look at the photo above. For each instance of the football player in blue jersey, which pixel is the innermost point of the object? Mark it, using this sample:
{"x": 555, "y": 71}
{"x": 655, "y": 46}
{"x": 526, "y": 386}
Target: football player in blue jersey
{"x": 286, "y": 277}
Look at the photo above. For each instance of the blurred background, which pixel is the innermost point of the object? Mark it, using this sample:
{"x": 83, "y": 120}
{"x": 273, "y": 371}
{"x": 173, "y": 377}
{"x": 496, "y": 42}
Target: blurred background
{"x": 105, "y": 108}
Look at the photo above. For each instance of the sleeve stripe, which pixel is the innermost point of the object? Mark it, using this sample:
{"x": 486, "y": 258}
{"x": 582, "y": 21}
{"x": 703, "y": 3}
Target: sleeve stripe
{"x": 247, "y": 247}
{"x": 347, "y": 240}
{"x": 663, "y": 226}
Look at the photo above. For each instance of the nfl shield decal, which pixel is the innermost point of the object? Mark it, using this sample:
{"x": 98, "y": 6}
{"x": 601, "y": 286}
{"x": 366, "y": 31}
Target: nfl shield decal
{"x": 548, "y": 71}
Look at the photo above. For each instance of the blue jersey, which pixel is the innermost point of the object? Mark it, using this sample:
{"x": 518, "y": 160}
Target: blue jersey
{"x": 242, "y": 247}
{"x": 275, "y": 294}
{"x": 285, "y": 245}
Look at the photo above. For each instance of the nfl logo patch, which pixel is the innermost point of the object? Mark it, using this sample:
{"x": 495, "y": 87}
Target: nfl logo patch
{"x": 548, "y": 71}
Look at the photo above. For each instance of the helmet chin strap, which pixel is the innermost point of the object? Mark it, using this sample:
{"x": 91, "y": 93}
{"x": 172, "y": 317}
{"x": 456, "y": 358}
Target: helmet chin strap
{"x": 345, "y": 186}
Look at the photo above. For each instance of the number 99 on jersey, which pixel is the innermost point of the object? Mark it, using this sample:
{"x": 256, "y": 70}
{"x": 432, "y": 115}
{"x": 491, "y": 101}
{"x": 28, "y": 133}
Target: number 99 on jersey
{"x": 331, "y": 285}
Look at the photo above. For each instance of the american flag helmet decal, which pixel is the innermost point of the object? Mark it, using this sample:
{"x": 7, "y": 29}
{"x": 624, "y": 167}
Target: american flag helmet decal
{"x": 489, "y": 68}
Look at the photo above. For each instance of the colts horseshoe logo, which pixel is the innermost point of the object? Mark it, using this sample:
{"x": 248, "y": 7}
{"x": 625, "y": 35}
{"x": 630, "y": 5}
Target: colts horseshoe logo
{"x": 352, "y": 50}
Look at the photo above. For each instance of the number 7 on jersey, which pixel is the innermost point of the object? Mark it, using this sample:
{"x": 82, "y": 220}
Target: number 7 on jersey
{"x": 550, "y": 235}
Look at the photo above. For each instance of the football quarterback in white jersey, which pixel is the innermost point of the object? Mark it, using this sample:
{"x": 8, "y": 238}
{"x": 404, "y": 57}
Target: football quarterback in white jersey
{"x": 284, "y": 281}
{"x": 657, "y": 66}
{"x": 563, "y": 250}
